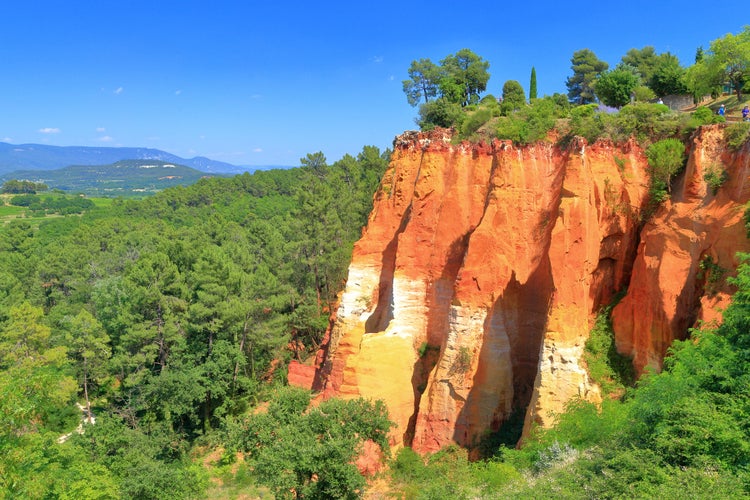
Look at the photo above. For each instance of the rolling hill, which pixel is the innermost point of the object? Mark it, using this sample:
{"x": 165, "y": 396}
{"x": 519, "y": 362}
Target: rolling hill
{"x": 15, "y": 157}
{"x": 121, "y": 178}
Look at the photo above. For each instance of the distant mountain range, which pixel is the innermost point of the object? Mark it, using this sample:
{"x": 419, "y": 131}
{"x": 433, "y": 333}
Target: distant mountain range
{"x": 122, "y": 178}
{"x": 43, "y": 157}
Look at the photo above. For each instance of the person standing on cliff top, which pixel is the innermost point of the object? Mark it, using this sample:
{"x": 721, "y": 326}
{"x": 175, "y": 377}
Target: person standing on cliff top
{"x": 745, "y": 113}
{"x": 721, "y": 110}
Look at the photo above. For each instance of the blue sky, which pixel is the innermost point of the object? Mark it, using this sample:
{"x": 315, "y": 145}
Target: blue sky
{"x": 265, "y": 83}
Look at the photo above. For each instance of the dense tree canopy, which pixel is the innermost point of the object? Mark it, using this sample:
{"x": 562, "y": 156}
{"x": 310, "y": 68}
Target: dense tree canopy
{"x": 423, "y": 83}
{"x": 586, "y": 69}
{"x": 465, "y": 78}
{"x": 165, "y": 317}
{"x": 616, "y": 87}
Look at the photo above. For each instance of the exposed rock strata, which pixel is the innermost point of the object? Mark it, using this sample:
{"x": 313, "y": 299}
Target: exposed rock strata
{"x": 473, "y": 288}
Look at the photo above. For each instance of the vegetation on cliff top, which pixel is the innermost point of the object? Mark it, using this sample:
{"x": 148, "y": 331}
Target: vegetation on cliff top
{"x": 640, "y": 77}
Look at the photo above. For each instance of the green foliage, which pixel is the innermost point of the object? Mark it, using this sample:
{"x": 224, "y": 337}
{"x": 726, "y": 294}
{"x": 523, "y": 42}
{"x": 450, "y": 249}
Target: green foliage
{"x": 299, "y": 451}
{"x": 586, "y": 68}
{"x": 615, "y": 87}
{"x": 665, "y": 159}
{"x": 715, "y": 176}
{"x": 468, "y": 71}
{"x": 448, "y": 88}
{"x": 440, "y": 113}
{"x": 668, "y": 78}
{"x": 644, "y": 61}
{"x": 704, "y": 116}
{"x": 726, "y": 61}
{"x": 426, "y": 348}
{"x": 169, "y": 316}
{"x": 423, "y": 83}
{"x": 643, "y": 94}
{"x": 462, "y": 362}
{"x": 532, "y": 84}
{"x": 585, "y": 122}
{"x": 62, "y": 205}
{"x": 736, "y": 134}
{"x": 532, "y": 123}
{"x": 15, "y": 186}
{"x": 474, "y": 121}
{"x": 513, "y": 97}
{"x": 607, "y": 367}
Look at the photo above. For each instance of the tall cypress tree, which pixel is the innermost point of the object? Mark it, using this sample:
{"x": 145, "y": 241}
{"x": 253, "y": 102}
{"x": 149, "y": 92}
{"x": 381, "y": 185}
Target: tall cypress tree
{"x": 532, "y": 84}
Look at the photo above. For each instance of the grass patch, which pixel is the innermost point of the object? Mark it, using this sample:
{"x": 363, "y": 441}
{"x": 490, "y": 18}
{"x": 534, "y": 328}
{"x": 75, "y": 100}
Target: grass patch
{"x": 607, "y": 367}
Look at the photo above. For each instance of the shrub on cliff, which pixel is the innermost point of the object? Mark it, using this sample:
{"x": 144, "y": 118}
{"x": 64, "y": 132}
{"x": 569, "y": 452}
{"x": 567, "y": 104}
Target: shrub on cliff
{"x": 736, "y": 134}
{"x": 665, "y": 159}
{"x": 531, "y": 123}
{"x": 440, "y": 113}
{"x": 474, "y": 121}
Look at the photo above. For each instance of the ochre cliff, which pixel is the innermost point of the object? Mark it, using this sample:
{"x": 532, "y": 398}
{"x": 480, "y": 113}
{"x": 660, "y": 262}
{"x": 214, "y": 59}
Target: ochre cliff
{"x": 686, "y": 252}
{"x": 472, "y": 290}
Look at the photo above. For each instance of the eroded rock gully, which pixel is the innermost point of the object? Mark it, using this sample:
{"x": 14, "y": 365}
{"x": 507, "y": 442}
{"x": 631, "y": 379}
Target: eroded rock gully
{"x": 472, "y": 290}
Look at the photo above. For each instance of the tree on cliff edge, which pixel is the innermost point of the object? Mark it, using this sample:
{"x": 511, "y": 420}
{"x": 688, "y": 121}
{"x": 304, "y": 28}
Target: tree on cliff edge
{"x": 532, "y": 84}
{"x": 586, "y": 68}
{"x": 424, "y": 80}
{"x": 459, "y": 79}
{"x": 466, "y": 72}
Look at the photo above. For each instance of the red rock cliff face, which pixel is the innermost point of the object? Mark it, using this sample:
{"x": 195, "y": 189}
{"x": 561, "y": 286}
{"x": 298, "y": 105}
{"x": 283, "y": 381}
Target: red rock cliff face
{"x": 687, "y": 250}
{"x": 473, "y": 288}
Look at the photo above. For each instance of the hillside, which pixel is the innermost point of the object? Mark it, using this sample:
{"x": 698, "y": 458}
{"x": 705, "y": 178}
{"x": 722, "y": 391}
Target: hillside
{"x": 122, "y": 178}
{"x": 44, "y": 157}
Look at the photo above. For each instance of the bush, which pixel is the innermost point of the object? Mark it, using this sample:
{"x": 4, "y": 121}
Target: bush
{"x": 23, "y": 200}
{"x": 736, "y": 134}
{"x": 531, "y": 124}
{"x": 474, "y": 121}
{"x": 665, "y": 159}
{"x": 513, "y": 97}
{"x": 440, "y": 113}
{"x": 585, "y": 122}
{"x": 643, "y": 94}
{"x": 715, "y": 177}
{"x": 607, "y": 367}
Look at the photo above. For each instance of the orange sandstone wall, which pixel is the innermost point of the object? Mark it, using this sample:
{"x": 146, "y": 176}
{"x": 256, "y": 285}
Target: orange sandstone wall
{"x": 473, "y": 288}
{"x": 669, "y": 291}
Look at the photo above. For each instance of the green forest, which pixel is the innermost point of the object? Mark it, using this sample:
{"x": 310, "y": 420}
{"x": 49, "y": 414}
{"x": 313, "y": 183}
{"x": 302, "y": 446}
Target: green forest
{"x": 167, "y": 320}
{"x": 144, "y": 343}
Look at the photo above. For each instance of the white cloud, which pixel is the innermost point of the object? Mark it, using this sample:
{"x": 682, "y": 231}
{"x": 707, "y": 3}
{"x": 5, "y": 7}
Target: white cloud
{"x": 118, "y": 90}
{"x": 258, "y": 150}
{"x": 100, "y": 129}
{"x": 49, "y": 130}
{"x": 377, "y": 59}
{"x": 177, "y": 92}
{"x": 6, "y": 139}
{"x": 105, "y": 138}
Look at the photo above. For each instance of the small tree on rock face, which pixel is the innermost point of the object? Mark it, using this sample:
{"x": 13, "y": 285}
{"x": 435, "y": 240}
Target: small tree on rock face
{"x": 665, "y": 159}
